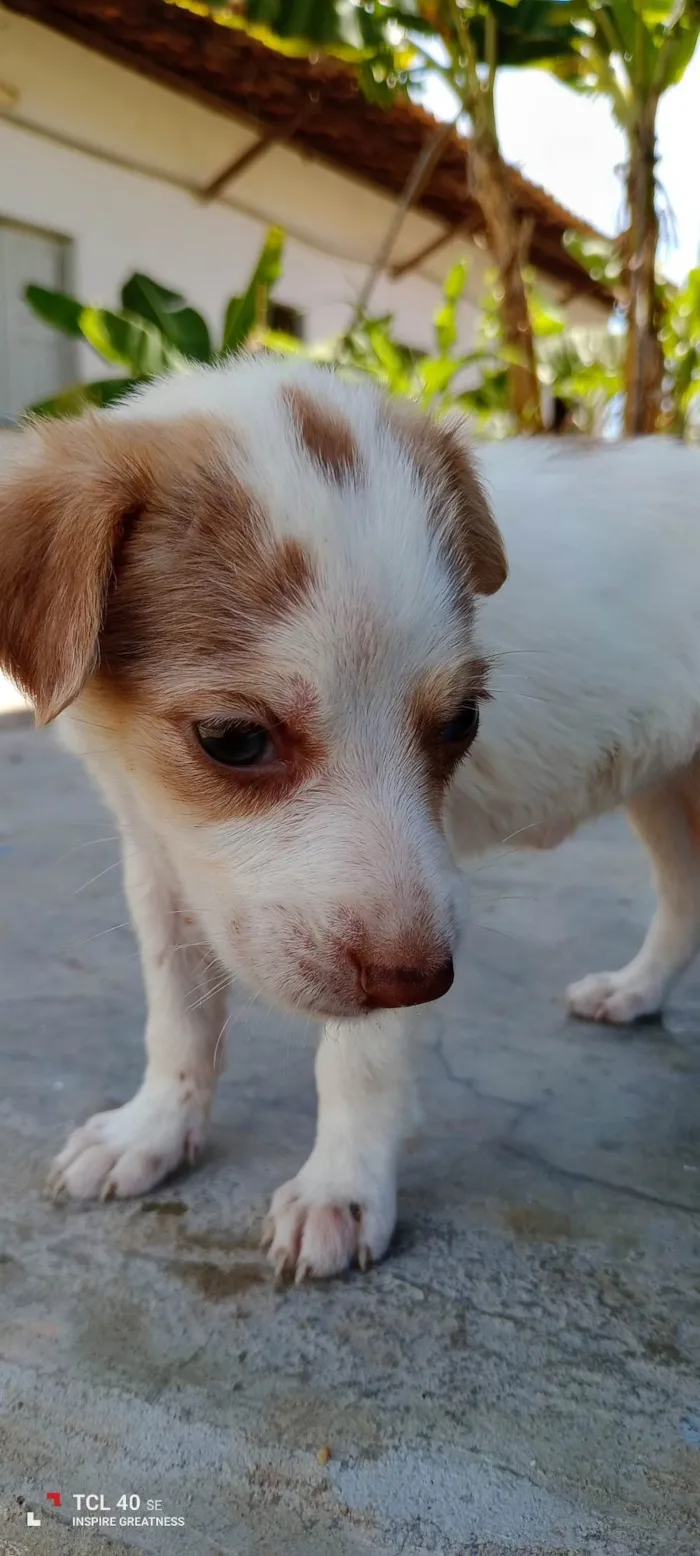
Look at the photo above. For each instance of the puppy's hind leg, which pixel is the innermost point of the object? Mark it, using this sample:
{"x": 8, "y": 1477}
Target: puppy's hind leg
{"x": 130, "y": 1149}
{"x": 667, "y": 819}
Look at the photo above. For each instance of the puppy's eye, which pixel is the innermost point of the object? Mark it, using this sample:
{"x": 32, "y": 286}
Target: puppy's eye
{"x": 460, "y": 731}
{"x": 237, "y": 744}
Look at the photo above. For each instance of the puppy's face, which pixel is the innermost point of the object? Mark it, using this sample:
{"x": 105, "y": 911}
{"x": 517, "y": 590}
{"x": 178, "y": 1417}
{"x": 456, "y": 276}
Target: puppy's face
{"x": 258, "y": 588}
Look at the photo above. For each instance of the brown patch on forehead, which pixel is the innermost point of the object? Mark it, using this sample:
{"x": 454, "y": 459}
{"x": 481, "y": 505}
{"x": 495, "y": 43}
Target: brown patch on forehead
{"x": 324, "y": 433}
{"x": 201, "y": 577}
{"x": 459, "y": 508}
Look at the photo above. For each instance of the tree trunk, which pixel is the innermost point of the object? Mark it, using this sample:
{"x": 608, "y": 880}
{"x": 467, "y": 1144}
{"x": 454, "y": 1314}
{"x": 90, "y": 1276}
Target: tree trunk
{"x": 644, "y": 366}
{"x": 489, "y": 181}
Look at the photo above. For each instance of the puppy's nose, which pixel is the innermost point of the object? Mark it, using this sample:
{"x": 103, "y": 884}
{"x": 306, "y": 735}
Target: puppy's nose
{"x": 389, "y": 988}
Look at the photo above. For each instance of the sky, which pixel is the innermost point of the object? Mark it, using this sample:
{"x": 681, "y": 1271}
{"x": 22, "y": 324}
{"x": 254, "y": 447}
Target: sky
{"x": 571, "y": 145}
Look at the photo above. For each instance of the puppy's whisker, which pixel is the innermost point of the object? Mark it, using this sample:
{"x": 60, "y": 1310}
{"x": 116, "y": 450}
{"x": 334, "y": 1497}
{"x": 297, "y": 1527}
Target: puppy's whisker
{"x": 219, "y": 1041}
{"x": 209, "y": 994}
{"x": 509, "y": 653}
{"x": 529, "y": 697}
{"x": 97, "y": 877}
{"x": 125, "y": 924}
{"x": 92, "y": 842}
{"x": 490, "y": 930}
{"x": 529, "y": 827}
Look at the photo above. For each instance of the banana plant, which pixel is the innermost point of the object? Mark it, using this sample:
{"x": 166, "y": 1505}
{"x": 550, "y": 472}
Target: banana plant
{"x": 631, "y": 52}
{"x": 680, "y": 340}
{"x": 397, "y": 46}
{"x": 154, "y": 331}
{"x": 431, "y": 379}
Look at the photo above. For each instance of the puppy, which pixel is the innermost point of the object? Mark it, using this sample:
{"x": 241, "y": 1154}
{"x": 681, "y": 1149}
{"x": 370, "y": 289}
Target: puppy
{"x": 267, "y": 605}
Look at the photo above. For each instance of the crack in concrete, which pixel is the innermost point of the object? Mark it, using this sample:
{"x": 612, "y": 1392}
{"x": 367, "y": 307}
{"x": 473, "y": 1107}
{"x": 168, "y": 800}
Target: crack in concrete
{"x": 573, "y": 1175}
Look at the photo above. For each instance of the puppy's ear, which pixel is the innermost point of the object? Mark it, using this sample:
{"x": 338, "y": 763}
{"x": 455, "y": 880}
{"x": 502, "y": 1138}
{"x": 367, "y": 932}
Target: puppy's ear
{"x": 65, "y": 498}
{"x": 460, "y": 508}
{"x": 478, "y": 538}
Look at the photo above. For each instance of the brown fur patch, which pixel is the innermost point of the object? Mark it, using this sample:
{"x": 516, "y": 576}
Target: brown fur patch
{"x": 460, "y": 510}
{"x": 201, "y": 579}
{"x": 152, "y": 732}
{"x": 325, "y": 435}
{"x": 63, "y": 504}
{"x": 139, "y": 535}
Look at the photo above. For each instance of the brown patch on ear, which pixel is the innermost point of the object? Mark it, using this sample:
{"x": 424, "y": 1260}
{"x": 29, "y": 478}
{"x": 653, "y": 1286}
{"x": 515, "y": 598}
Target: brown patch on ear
{"x": 462, "y": 511}
{"x": 82, "y": 500}
{"x": 324, "y": 433}
{"x": 64, "y": 502}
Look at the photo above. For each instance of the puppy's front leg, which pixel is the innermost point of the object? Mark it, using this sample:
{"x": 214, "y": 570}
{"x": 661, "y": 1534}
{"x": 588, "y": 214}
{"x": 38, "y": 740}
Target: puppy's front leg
{"x": 129, "y": 1149}
{"x": 341, "y": 1207}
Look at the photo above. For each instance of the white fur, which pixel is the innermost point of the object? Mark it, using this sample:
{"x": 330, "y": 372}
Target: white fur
{"x": 595, "y": 643}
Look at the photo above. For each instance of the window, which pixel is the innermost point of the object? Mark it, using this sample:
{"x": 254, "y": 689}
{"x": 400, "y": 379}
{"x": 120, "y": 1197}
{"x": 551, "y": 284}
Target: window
{"x": 288, "y": 320}
{"x": 35, "y": 361}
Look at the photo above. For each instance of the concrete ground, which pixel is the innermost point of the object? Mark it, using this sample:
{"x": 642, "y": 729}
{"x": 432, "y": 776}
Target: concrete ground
{"x": 520, "y": 1376}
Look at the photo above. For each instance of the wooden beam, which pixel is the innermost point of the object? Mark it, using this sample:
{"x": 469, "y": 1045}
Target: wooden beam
{"x": 246, "y": 159}
{"x": 468, "y": 226}
{"x": 423, "y": 168}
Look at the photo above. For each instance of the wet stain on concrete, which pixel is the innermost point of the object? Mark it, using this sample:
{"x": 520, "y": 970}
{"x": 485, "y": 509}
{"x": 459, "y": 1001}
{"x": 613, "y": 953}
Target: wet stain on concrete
{"x": 217, "y": 1284}
{"x": 218, "y": 1241}
{"x": 164, "y": 1207}
{"x": 538, "y": 1223}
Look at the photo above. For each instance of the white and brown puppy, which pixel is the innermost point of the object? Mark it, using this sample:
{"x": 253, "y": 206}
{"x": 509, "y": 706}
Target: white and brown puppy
{"x": 255, "y": 592}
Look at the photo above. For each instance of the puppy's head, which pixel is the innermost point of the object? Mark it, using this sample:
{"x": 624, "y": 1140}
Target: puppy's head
{"x": 257, "y": 585}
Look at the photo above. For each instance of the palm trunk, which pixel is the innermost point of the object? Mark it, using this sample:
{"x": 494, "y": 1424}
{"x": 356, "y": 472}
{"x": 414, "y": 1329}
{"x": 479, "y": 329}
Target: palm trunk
{"x": 645, "y": 363}
{"x": 489, "y": 179}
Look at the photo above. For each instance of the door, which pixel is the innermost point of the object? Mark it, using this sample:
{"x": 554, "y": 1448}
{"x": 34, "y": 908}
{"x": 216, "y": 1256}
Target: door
{"x": 35, "y": 361}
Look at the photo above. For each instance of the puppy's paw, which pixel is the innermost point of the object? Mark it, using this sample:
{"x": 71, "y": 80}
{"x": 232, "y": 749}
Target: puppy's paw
{"x": 130, "y": 1149}
{"x": 616, "y": 998}
{"x": 316, "y": 1228}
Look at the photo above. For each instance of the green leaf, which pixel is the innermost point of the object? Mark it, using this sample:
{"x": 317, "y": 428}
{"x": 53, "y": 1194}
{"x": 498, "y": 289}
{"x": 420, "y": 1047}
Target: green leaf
{"x": 81, "y": 397}
{"x": 436, "y": 374}
{"x": 546, "y": 321}
{"x": 445, "y": 322}
{"x": 445, "y": 326}
{"x": 675, "y": 58}
{"x": 386, "y": 351}
{"x": 455, "y": 282}
{"x": 181, "y": 325}
{"x": 129, "y": 342}
{"x": 58, "y": 309}
{"x": 244, "y": 313}
{"x": 600, "y": 256}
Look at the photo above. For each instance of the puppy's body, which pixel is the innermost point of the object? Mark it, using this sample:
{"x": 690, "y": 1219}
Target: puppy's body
{"x": 593, "y": 641}
{"x": 594, "y": 646}
{"x": 255, "y": 592}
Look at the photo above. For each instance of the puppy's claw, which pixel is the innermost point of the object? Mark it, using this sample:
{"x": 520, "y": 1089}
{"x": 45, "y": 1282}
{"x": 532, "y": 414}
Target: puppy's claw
{"x": 109, "y": 1190}
{"x": 364, "y": 1258}
{"x": 304, "y": 1272}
